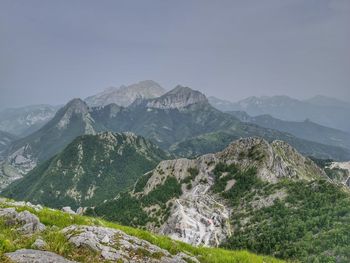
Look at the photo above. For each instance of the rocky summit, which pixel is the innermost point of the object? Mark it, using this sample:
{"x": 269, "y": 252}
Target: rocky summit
{"x": 197, "y": 216}
{"x": 125, "y": 95}
{"x": 177, "y": 98}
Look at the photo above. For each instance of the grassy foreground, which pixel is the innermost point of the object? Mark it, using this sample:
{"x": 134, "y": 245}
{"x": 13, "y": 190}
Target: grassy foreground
{"x": 55, "y": 220}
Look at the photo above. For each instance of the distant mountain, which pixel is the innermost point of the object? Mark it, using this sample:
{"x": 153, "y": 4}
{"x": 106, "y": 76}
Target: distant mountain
{"x": 25, "y": 120}
{"x": 125, "y": 95}
{"x": 306, "y": 129}
{"x": 179, "y": 114}
{"x": 322, "y": 110}
{"x": 5, "y": 140}
{"x": 177, "y": 98}
{"x": 88, "y": 171}
{"x": 328, "y": 102}
{"x": 69, "y": 122}
{"x": 220, "y": 104}
{"x": 250, "y": 194}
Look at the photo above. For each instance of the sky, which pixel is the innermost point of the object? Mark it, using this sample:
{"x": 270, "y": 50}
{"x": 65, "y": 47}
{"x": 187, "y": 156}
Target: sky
{"x": 52, "y": 51}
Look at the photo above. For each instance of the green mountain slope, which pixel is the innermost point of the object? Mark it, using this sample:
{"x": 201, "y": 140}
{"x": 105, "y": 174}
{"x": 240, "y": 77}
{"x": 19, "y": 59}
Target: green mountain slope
{"x": 88, "y": 171}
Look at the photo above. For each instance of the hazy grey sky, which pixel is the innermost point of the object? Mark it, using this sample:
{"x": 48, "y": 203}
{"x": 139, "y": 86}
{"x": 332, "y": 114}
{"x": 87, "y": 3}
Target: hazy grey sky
{"x": 51, "y": 51}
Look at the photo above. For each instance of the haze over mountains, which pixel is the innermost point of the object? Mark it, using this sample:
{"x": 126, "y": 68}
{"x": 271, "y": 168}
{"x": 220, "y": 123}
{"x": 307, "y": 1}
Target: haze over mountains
{"x": 306, "y": 129}
{"x": 326, "y": 111}
{"x": 181, "y": 120}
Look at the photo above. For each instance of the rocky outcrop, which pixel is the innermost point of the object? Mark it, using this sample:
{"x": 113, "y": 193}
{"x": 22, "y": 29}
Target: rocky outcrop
{"x": 25, "y": 222}
{"x": 35, "y": 256}
{"x": 198, "y": 218}
{"x": 179, "y": 97}
{"x": 341, "y": 170}
{"x": 68, "y": 209}
{"x": 201, "y": 217}
{"x": 274, "y": 160}
{"x": 115, "y": 245}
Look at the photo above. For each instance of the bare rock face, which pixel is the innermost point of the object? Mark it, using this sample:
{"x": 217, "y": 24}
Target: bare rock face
{"x": 115, "y": 245}
{"x": 28, "y": 222}
{"x": 36, "y": 256}
{"x": 342, "y": 171}
{"x": 177, "y": 98}
{"x": 198, "y": 219}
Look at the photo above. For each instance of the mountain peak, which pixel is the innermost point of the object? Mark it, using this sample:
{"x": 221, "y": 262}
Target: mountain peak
{"x": 177, "y": 98}
{"x": 126, "y": 95}
{"x": 273, "y": 160}
{"x": 76, "y": 104}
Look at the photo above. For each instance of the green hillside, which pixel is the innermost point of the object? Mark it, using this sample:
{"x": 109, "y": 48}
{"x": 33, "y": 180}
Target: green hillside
{"x": 88, "y": 171}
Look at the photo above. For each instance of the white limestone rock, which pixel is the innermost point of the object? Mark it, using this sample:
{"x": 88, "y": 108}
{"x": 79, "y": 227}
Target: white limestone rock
{"x": 115, "y": 245}
{"x": 28, "y": 222}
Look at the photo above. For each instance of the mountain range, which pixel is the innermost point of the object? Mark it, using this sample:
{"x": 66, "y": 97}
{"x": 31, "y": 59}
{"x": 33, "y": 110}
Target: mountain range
{"x": 326, "y": 111}
{"x": 181, "y": 121}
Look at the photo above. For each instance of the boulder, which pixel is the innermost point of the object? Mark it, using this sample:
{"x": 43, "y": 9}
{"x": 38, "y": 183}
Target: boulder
{"x": 68, "y": 209}
{"x": 28, "y": 222}
{"x": 39, "y": 244}
{"x": 35, "y": 256}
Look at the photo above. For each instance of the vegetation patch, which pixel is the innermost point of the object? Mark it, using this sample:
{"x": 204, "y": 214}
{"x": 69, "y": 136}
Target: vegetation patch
{"x": 312, "y": 224}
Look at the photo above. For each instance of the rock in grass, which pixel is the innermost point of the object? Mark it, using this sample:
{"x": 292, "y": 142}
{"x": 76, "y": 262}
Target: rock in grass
{"x": 28, "y": 222}
{"x": 35, "y": 256}
{"x": 68, "y": 210}
{"x": 39, "y": 244}
{"x": 116, "y": 245}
